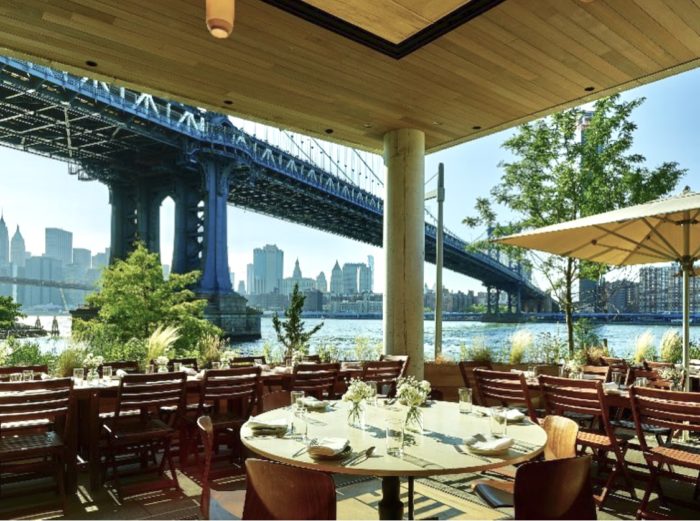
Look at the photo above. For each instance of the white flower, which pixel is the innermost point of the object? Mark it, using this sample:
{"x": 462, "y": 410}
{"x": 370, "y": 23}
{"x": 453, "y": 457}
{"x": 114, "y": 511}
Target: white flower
{"x": 357, "y": 391}
{"x": 411, "y": 392}
{"x": 162, "y": 360}
{"x": 93, "y": 362}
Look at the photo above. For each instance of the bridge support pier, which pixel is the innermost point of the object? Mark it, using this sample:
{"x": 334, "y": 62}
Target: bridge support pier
{"x": 404, "y": 245}
{"x": 149, "y": 197}
{"x": 122, "y": 197}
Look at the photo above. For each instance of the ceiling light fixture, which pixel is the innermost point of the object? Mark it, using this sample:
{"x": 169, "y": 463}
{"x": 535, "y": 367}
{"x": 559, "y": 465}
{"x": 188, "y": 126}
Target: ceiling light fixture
{"x": 220, "y": 15}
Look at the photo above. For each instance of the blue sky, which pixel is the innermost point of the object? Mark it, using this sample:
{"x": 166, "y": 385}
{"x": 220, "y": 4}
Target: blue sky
{"x": 36, "y": 192}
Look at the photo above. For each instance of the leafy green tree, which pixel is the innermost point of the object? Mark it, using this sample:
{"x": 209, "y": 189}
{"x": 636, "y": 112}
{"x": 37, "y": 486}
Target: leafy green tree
{"x": 9, "y": 312}
{"x": 134, "y": 300}
{"x": 290, "y": 332}
{"x": 556, "y": 176}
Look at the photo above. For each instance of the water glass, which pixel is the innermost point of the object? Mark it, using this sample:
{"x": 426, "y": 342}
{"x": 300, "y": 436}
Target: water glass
{"x": 394, "y": 436}
{"x": 465, "y": 400}
{"x": 498, "y": 422}
{"x": 641, "y": 382}
{"x": 78, "y": 375}
{"x": 296, "y": 397}
{"x": 150, "y": 369}
{"x": 177, "y": 367}
{"x": 107, "y": 372}
{"x": 300, "y": 426}
{"x": 16, "y": 377}
{"x": 618, "y": 379}
{"x": 372, "y": 398}
{"x": 27, "y": 375}
{"x": 258, "y": 361}
{"x": 216, "y": 365}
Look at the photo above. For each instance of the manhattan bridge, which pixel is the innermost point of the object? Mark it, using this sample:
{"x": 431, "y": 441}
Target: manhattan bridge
{"x": 146, "y": 148}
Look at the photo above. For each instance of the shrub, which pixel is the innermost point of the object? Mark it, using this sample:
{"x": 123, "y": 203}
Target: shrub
{"x": 586, "y": 334}
{"x": 16, "y": 352}
{"x": 550, "y": 348}
{"x": 328, "y": 353}
{"x": 521, "y": 342}
{"x": 477, "y": 351}
{"x": 273, "y": 353}
{"x": 596, "y": 353}
{"x": 365, "y": 350}
{"x": 209, "y": 349}
{"x": 70, "y": 358}
{"x": 644, "y": 347}
{"x": 671, "y": 348}
{"x": 161, "y": 343}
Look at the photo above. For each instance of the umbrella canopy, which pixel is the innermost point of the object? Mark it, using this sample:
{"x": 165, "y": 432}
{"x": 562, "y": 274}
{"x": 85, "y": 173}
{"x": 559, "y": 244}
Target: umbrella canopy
{"x": 659, "y": 231}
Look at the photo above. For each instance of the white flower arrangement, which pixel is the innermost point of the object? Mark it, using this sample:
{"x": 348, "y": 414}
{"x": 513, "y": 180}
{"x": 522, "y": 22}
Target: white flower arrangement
{"x": 357, "y": 391}
{"x": 93, "y": 362}
{"x": 162, "y": 360}
{"x": 411, "y": 392}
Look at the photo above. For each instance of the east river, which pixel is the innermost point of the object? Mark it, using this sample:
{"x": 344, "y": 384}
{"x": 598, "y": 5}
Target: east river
{"x": 344, "y": 333}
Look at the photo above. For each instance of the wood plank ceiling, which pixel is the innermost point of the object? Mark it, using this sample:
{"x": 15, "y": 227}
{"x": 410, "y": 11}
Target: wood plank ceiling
{"x": 518, "y": 60}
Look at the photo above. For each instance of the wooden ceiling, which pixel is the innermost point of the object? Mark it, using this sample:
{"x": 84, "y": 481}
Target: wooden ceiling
{"x": 516, "y": 61}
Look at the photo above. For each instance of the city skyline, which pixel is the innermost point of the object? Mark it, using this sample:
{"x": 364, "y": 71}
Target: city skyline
{"x": 46, "y": 196}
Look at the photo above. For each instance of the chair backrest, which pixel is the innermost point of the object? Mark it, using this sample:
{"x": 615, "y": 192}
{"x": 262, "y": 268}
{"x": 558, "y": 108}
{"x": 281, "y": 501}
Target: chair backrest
{"x": 277, "y": 491}
{"x": 275, "y": 400}
{"x": 405, "y": 359}
{"x": 555, "y": 489}
{"x": 247, "y": 360}
{"x": 315, "y": 379}
{"x": 5, "y": 372}
{"x": 189, "y": 362}
{"x": 561, "y": 437}
{"x": 503, "y": 388}
{"x": 678, "y": 411}
{"x": 653, "y": 378}
{"x": 129, "y": 366}
{"x": 384, "y": 373}
{"x": 466, "y": 368}
{"x": 311, "y": 358}
{"x": 206, "y": 432}
{"x": 41, "y": 402}
{"x": 239, "y": 384}
{"x": 597, "y": 372}
{"x": 650, "y": 365}
{"x": 147, "y": 393}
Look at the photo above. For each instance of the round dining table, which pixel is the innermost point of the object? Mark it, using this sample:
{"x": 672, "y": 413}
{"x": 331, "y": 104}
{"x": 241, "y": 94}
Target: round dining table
{"x": 440, "y": 449}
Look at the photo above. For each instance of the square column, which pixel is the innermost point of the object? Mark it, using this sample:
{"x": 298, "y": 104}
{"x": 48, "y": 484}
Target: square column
{"x": 404, "y": 245}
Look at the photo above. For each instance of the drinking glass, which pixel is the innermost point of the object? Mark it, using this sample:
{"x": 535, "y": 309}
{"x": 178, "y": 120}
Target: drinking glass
{"x": 296, "y": 397}
{"x": 372, "y": 399}
{"x": 394, "y": 436}
{"x": 258, "y": 361}
{"x": 617, "y": 378}
{"x": 150, "y": 369}
{"x": 300, "y": 426}
{"x": 216, "y": 365}
{"x": 177, "y": 367}
{"x": 16, "y": 377}
{"x": 498, "y": 422}
{"x": 641, "y": 382}
{"x": 107, "y": 372}
{"x": 78, "y": 375}
{"x": 27, "y": 375}
{"x": 465, "y": 400}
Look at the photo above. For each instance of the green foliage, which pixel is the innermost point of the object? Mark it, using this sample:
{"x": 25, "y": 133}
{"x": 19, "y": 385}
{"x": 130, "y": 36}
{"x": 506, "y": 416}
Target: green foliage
{"x": 477, "y": 351}
{"x": 549, "y": 348}
{"x": 586, "y": 334}
{"x": 521, "y": 343}
{"x": 161, "y": 343}
{"x": 22, "y": 352}
{"x": 290, "y": 332}
{"x": 671, "y": 348}
{"x": 644, "y": 347}
{"x": 134, "y": 300}
{"x": 273, "y": 354}
{"x": 328, "y": 353}
{"x": 555, "y": 177}
{"x": 210, "y": 349}
{"x": 9, "y": 312}
{"x": 70, "y": 358}
{"x": 364, "y": 349}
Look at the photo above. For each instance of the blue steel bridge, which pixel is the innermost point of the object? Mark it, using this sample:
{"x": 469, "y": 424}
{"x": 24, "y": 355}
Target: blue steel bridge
{"x": 146, "y": 148}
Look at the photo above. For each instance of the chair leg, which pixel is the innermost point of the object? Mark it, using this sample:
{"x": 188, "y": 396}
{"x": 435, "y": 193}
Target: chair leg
{"x": 167, "y": 455}
{"x": 410, "y": 497}
{"x": 60, "y": 481}
{"x": 651, "y": 484}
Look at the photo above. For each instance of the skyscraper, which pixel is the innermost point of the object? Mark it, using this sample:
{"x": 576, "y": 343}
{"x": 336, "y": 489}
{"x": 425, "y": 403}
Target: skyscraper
{"x": 321, "y": 283}
{"x": 370, "y": 263}
{"x": 82, "y": 258}
{"x": 59, "y": 245}
{"x": 268, "y": 268}
{"x": 351, "y": 277}
{"x": 4, "y": 242}
{"x": 18, "y": 251}
{"x": 241, "y": 287}
{"x": 252, "y": 284}
{"x": 365, "y": 279}
{"x": 336, "y": 280}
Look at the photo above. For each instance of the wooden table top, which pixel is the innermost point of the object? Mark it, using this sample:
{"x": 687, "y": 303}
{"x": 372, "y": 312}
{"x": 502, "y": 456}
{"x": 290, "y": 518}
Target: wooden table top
{"x": 440, "y": 450}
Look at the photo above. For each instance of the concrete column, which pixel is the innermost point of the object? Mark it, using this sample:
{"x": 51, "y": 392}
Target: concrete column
{"x": 404, "y": 245}
{"x": 149, "y": 200}
{"x": 122, "y": 198}
{"x": 188, "y": 237}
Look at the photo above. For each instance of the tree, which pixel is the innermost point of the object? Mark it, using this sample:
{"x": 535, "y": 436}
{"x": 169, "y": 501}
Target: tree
{"x": 571, "y": 165}
{"x": 290, "y": 332}
{"x": 9, "y": 312}
{"x": 134, "y": 300}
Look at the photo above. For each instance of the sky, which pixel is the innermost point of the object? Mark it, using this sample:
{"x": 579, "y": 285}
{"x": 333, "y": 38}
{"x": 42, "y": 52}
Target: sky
{"x": 36, "y": 193}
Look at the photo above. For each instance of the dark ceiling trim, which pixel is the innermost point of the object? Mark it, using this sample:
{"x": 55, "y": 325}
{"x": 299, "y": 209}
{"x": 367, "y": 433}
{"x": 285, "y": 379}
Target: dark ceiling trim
{"x": 444, "y": 25}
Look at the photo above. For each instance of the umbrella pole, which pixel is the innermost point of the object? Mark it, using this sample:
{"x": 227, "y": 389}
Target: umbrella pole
{"x": 687, "y": 266}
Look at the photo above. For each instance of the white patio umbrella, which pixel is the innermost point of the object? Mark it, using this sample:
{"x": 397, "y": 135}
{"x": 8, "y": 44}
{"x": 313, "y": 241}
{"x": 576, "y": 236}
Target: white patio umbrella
{"x": 659, "y": 231}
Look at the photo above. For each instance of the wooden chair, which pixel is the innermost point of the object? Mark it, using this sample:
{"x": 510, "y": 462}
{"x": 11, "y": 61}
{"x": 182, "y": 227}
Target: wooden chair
{"x": 503, "y": 388}
{"x": 617, "y": 366}
{"x": 650, "y": 365}
{"x": 405, "y": 359}
{"x": 36, "y": 422}
{"x": 185, "y": 362}
{"x": 561, "y": 443}
{"x": 596, "y": 372}
{"x": 275, "y": 400}
{"x": 277, "y": 491}
{"x": 554, "y": 489}
{"x": 562, "y": 395}
{"x": 384, "y": 373}
{"x": 128, "y": 366}
{"x": 228, "y": 397}
{"x": 316, "y": 359}
{"x": 466, "y": 368}
{"x": 152, "y": 429}
{"x": 317, "y": 380}
{"x": 5, "y": 372}
{"x": 231, "y": 501}
{"x": 677, "y": 411}
{"x": 652, "y": 376}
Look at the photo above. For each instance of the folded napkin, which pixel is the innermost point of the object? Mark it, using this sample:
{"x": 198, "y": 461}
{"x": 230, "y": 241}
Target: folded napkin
{"x": 120, "y": 373}
{"x": 481, "y": 444}
{"x": 514, "y": 415}
{"x": 517, "y": 371}
{"x": 611, "y": 387}
{"x": 280, "y": 369}
{"x": 265, "y": 367}
{"x": 200, "y": 375}
{"x": 274, "y": 424}
{"x": 45, "y": 376}
{"x": 189, "y": 371}
{"x": 314, "y": 404}
{"x": 328, "y": 447}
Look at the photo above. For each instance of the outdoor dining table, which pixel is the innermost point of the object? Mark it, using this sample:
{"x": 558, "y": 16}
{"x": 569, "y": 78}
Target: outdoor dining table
{"x": 439, "y": 450}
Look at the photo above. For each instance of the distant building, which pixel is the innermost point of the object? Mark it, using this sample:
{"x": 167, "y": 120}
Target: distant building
{"x": 59, "y": 245}
{"x": 296, "y": 279}
{"x": 253, "y": 284}
{"x": 268, "y": 268}
{"x": 313, "y": 301}
{"x": 370, "y": 263}
{"x": 241, "y": 287}
{"x": 321, "y": 283}
{"x": 622, "y": 296}
{"x": 589, "y": 296}
{"x": 660, "y": 290}
{"x": 166, "y": 271}
{"x": 82, "y": 258}
{"x": 43, "y": 268}
{"x": 4, "y": 243}
{"x": 336, "y": 280}
{"x": 18, "y": 252}
{"x": 365, "y": 279}
{"x": 351, "y": 278}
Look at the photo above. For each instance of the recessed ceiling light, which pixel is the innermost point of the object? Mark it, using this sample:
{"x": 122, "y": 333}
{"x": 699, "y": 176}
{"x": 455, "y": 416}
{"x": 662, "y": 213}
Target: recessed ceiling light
{"x": 589, "y": 89}
{"x": 228, "y": 102}
{"x": 476, "y": 127}
{"x": 91, "y": 63}
{"x": 328, "y": 131}
{"x": 367, "y": 125}
{"x": 437, "y": 123}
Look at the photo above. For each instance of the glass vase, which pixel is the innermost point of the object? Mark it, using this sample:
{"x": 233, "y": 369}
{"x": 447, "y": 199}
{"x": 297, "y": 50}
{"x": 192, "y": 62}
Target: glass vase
{"x": 92, "y": 375}
{"x": 356, "y": 415}
{"x": 414, "y": 419}
{"x": 163, "y": 368}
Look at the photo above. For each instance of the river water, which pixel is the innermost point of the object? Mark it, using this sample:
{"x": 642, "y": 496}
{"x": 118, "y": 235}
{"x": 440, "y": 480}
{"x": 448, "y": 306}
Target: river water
{"x": 343, "y": 334}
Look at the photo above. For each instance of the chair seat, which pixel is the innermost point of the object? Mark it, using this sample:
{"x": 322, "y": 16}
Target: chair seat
{"x": 226, "y": 504}
{"x": 676, "y": 454}
{"x": 13, "y": 447}
{"x": 497, "y": 494}
{"x": 136, "y": 431}
{"x": 578, "y": 417}
{"x": 594, "y": 439}
{"x": 649, "y": 429}
{"x": 110, "y": 414}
